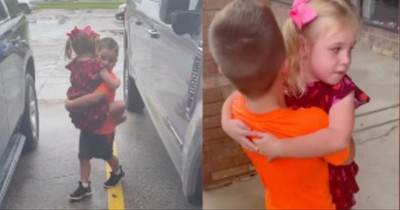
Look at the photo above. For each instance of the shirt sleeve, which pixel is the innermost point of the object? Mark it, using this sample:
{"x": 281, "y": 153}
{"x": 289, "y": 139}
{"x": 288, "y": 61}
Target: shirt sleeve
{"x": 345, "y": 87}
{"x": 104, "y": 88}
{"x": 338, "y": 158}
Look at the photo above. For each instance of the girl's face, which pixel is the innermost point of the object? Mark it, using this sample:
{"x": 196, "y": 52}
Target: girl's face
{"x": 330, "y": 56}
{"x": 109, "y": 57}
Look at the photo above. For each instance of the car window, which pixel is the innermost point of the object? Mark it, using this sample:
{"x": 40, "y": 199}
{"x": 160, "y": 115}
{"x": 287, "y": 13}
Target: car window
{"x": 13, "y": 7}
{"x": 3, "y": 12}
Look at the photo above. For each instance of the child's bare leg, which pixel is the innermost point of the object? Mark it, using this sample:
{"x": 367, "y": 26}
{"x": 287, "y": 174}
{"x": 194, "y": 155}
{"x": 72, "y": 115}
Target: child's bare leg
{"x": 113, "y": 163}
{"x": 117, "y": 110}
{"x": 116, "y": 174}
{"x": 85, "y": 170}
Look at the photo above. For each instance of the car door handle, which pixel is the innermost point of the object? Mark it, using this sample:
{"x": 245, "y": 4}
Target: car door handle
{"x": 154, "y": 33}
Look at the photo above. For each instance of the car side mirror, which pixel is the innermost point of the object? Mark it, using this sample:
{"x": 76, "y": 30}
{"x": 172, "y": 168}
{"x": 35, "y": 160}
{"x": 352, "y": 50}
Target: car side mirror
{"x": 185, "y": 22}
{"x": 168, "y": 6}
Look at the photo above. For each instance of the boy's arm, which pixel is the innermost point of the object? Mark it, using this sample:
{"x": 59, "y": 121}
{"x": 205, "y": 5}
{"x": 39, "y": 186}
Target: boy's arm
{"x": 111, "y": 82}
{"x": 325, "y": 141}
{"x": 84, "y": 101}
{"x": 235, "y": 129}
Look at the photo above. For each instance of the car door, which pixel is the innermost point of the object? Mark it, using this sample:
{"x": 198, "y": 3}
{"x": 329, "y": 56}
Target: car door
{"x": 138, "y": 40}
{"x": 12, "y": 68}
{"x": 172, "y": 61}
{"x": 4, "y": 128}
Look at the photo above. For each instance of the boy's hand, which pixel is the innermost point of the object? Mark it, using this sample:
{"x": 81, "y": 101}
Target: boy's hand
{"x": 268, "y": 145}
{"x": 239, "y": 131}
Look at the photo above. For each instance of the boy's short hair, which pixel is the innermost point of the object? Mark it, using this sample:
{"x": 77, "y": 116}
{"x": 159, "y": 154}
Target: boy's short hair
{"x": 109, "y": 43}
{"x": 247, "y": 45}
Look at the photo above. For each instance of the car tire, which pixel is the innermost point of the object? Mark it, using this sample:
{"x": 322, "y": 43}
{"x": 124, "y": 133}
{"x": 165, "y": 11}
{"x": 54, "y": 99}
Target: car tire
{"x": 30, "y": 118}
{"x": 133, "y": 100}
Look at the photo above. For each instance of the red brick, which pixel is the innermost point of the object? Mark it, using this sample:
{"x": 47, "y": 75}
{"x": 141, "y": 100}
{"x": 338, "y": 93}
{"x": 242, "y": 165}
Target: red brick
{"x": 215, "y": 4}
{"x": 206, "y": 53}
{"x": 212, "y": 95}
{"x": 235, "y": 171}
{"x": 227, "y": 90}
{"x": 210, "y": 69}
{"x": 218, "y": 164}
{"x": 211, "y": 122}
{"x": 216, "y": 145}
{"x": 214, "y": 133}
{"x": 213, "y": 145}
{"x": 211, "y": 109}
{"x": 241, "y": 160}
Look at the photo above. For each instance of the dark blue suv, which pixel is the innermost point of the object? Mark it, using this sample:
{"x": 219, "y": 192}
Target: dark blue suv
{"x": 19, "y": 118}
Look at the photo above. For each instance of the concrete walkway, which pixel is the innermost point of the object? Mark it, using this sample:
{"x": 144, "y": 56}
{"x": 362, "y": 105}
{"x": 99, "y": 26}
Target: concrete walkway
{"x": 376, "y": 134}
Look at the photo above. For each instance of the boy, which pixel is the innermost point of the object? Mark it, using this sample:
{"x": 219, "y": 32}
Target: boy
{"x": 248, "y": 48}
{"x": 99, "y": 143}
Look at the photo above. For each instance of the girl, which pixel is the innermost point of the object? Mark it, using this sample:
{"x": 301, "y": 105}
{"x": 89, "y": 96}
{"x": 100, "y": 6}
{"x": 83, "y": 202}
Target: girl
{"x": 319, "y": 37}
{"x": 87, "y": 72}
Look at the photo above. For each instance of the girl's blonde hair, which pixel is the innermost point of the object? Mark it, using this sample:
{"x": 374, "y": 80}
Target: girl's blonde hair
{"x": 81, "y": 43}
{"x": 339, "y": 12}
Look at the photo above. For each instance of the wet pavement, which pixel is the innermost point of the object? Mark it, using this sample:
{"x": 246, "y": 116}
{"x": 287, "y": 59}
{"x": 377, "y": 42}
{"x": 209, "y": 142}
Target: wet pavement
{"x": 44, "y": 178}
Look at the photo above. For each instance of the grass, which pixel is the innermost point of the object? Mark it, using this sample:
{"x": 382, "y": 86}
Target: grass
{"x": 79, "y": 5}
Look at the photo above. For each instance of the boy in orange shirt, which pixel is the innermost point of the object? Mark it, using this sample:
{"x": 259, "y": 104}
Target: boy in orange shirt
{"x": 99, "y": 143}
{"x": 248, "y": 48}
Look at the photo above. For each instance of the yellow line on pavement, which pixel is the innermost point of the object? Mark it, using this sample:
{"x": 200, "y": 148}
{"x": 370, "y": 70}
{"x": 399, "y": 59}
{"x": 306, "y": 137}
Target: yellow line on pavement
{"x": 115, "y": 194}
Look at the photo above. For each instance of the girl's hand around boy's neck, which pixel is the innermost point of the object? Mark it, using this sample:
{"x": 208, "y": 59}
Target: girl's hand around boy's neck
{"x": 268, "y": 145}
{"x": 241, "y": 134}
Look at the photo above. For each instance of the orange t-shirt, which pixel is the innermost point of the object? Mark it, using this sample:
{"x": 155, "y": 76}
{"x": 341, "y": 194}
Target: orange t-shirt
{"x": 290, "y": 183}
{"x": 108, "y": 125}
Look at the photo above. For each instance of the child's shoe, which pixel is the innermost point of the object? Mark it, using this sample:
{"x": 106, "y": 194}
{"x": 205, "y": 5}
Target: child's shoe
{"x": 81, "y": 192}
{"x": 114, "y": 178}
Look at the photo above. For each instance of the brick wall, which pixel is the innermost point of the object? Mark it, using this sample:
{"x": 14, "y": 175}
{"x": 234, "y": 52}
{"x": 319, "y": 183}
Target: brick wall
{"x": 223, "y": 159}
{"x": 379, "y": 40}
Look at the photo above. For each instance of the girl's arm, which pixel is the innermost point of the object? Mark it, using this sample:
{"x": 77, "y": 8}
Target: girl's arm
{"x": 329, "y": 140}
{"x": 352, "y": 154}
{"x": 111, "y": 82}
{"x": 235, "y": 129}
{"x": 84, "y": 101}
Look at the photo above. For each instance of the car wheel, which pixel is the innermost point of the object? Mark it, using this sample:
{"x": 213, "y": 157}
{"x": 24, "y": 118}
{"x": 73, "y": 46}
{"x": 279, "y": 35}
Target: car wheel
{"x": 30, "y": 118}
{"x": 119, "y": 17}
{"x": 133, "y": 100}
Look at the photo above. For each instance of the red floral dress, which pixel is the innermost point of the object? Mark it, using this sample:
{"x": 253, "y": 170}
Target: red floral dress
{"x": 342, "y": 179}
{"x": 85, "y": 79}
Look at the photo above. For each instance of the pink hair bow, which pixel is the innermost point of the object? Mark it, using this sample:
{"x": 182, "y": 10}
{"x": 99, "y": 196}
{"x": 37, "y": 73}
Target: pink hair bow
{"x": 73, "y": 32}
{"x": 301, "y": 13}
{"x": 89, "y": 32}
